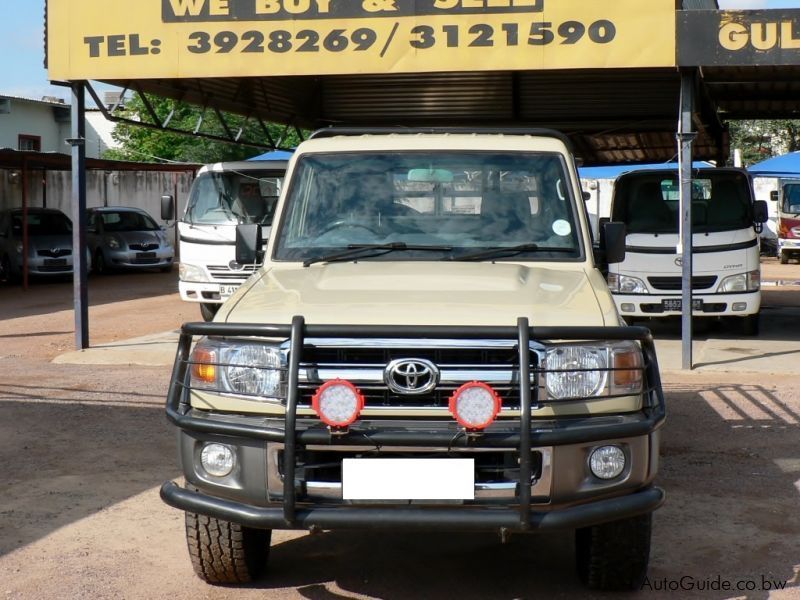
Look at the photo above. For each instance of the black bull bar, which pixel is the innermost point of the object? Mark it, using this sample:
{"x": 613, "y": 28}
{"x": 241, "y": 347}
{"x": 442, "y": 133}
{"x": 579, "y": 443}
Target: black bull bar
{"x": 520, "y": 518}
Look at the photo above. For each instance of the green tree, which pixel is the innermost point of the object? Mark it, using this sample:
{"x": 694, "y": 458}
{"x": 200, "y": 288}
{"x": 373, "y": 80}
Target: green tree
{"x": 145, "y": 144}
{"x": 760, "y": 139}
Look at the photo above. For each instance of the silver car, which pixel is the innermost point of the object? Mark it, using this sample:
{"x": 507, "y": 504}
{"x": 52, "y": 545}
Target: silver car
{"x": 49, "y": 243}
{"x": 126, "y": 238}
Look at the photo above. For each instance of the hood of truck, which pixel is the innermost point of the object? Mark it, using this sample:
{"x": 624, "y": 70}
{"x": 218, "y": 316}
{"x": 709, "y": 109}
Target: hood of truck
{"x": 424, "y": 293}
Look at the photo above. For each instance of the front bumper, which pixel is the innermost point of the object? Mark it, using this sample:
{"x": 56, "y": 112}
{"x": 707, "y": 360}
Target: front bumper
{"x": 134, "y": 259}
{"x": 255, "y": 502}
{"x": 416, "y": 517}
{"x": 208, "y": 293}
{"x": 711, "y": 305}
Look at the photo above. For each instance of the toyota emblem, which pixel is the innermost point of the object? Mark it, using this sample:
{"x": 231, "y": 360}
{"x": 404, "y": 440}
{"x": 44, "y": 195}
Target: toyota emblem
{"x": 411, "y": 376}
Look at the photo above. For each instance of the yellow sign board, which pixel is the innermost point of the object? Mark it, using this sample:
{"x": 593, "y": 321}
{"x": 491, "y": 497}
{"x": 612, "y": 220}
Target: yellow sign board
{"x": 116, "y": 39}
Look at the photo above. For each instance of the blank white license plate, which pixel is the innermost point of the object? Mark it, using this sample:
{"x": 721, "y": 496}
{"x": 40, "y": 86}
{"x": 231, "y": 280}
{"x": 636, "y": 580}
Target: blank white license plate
{"x": 408, "y": 479}
{"x": 227, "y": 290}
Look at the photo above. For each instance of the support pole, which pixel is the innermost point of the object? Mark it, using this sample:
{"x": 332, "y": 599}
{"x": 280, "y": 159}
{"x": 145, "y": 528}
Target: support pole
{"x": 78, "y": 213}
{"x": 685, "y": 139}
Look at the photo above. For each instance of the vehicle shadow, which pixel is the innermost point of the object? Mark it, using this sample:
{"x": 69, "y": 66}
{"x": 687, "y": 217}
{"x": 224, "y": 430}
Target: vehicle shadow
{"x": 731, "y": 470}
{"x": 47, "y": 296}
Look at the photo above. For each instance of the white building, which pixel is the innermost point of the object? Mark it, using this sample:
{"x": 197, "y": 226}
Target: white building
{"x": 44, "y": 125}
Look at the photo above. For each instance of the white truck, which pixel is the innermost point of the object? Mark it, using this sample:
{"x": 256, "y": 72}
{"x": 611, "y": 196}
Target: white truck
{"x": 429, "y": 345}
{"x": 726, "y": 221}
{"x": 223, "y": 196}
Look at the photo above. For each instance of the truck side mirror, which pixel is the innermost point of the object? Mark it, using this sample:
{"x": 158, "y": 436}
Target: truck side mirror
{"x": 248, "y": 244}
{"x": 774, "y": 195}
{"x": 612, "y": 241}
{"x": 760, "y": 211}
{"x": 167, "y": 208}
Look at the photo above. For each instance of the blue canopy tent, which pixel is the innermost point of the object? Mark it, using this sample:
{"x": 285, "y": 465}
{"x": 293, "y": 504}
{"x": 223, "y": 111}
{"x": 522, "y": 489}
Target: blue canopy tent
{"x": 787, "y": 165}
{"x": 274, "y": 155}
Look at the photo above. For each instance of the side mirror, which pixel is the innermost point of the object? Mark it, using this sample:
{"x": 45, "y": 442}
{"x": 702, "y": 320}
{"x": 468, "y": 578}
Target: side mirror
{"x": 167, "y": 208}
{"x": 248, "y": 244}
{"x": 612, "y": 241}
{"x": 760, "y": 211}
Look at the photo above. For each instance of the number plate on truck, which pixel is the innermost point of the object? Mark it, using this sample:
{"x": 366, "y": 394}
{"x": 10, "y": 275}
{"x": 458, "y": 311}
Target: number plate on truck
{"x": 227, "y": 290}
{"x": 677, "y": 304}
{"x": 408, "y": 479}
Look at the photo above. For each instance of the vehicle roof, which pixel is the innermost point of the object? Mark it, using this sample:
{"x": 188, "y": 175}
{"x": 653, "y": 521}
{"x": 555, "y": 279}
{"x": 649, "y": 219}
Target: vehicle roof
{"x": 116, "y": 209}
{"x": 399, "y": 140}
{"x": 279, "y": 166}
{"x": 35, "y": 209}
{"x": 712, "y": 170}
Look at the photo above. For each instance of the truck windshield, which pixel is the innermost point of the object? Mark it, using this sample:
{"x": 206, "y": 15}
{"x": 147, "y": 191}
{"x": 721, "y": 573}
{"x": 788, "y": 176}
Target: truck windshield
{"x": 234, "y": 197}
{"x": 650, "y": 202}
{"x": 446, "y": 203}
{"x": 791, "y": 199}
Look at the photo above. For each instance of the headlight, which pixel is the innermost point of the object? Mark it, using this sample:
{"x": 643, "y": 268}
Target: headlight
{"x": 624, "y": 284}
{"x": 112, "y": 242}
{"x": 193, "y": 273}
{"x": 587, "y": 371}
{"x": 743, "y": 282}
{"x": 237, "y": 367}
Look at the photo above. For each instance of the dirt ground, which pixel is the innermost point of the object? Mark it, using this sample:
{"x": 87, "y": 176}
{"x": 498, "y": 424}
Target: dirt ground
{"x": 84, "y": 449}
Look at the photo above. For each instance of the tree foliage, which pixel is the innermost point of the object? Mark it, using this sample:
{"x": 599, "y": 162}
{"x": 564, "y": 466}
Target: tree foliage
{"x": 144, "y": 144}
{"x": 759, "y": 140}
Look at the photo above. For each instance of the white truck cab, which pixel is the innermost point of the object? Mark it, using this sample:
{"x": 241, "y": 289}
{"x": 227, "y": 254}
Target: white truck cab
{"x": 223, "y": 196}
{"x": 726, "y": 221}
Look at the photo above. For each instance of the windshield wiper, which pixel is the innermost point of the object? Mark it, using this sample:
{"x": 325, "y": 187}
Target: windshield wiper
{"x": 501, "y": 251}
{"x": 372, "y": 250}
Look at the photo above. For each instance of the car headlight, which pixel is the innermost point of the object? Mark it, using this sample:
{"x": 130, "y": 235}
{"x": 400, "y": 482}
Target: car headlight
{"x": 112, "y": 242}
{"x": 625, "y": 284}
{"x": 591, "y": 370}
{"x": 237, "y": 367}
{"x": 743, "y": 282}
{"x": 194, "y": 273}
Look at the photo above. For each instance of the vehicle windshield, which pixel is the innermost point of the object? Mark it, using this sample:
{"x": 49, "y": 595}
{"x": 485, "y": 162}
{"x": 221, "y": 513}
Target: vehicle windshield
{"x": 791, "y": 199}
{"x": 234, "y": 197}
{"x": 650, "y": 202}
{"x": 128, "y": 220}
{"x": 54, "y": 223}
{"x": 458, "y": 202}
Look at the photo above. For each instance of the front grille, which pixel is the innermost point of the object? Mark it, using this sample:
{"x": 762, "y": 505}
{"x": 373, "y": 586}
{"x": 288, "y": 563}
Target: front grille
{"x": 55, "y": 268}
{"x": 143, "y": 247}
{"x": 144, "y": 261}
{"x": 55, "y": 252}
{"x": 703, "y": 282}
{"x": 225, "y": 273}
{"x": 364, "y": 366}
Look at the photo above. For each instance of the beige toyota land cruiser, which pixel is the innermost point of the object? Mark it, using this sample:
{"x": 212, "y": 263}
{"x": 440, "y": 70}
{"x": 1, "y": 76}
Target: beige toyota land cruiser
{"x": 430, "y": 344}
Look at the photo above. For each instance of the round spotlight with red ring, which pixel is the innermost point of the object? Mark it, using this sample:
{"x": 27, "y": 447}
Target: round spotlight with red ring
{"x": 338, "y": 403}
{"x": 475, "y": 405}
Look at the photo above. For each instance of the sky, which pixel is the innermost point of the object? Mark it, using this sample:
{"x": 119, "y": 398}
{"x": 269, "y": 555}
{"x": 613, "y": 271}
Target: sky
{"x": 22, "y": 45}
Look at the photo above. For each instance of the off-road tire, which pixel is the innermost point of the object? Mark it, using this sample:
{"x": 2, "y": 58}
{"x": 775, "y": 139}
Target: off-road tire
{"x": 614, "y": 556}
{"x": 208, "y": 311}
{"x": 223, "y": 552}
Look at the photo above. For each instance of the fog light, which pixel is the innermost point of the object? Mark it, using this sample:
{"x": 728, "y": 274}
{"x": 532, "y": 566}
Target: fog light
{"x": 607, "y": 462}
{"x": 337, "y": 403}
{"x": 475, "y": 405}
{"x": 217, "y": 459}
{"x": 627, "y": 307}
{"x": 739, "y": 306}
